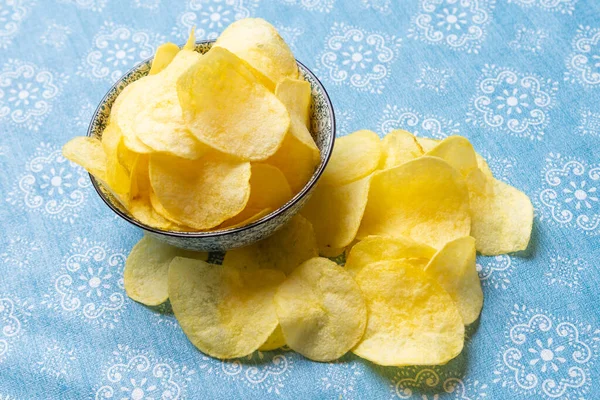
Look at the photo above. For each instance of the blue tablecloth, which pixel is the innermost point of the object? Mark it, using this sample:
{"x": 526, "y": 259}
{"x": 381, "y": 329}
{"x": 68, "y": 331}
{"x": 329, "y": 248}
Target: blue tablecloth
{"x": 520, "y": 78}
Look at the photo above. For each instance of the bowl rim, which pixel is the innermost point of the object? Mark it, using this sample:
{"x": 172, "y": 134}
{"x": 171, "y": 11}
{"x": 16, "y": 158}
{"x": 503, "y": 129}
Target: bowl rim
{"x": 225, "y": 232}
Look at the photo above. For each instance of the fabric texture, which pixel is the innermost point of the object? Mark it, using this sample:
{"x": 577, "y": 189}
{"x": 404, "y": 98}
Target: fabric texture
{"x": 519, "y": 78}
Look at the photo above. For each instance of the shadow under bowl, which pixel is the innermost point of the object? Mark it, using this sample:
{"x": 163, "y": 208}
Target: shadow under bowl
{"x": 322, "y": 131}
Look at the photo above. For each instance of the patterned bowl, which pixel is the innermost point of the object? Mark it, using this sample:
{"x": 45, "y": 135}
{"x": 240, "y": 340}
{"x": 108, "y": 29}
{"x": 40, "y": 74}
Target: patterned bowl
{"x": 323, "y": 131}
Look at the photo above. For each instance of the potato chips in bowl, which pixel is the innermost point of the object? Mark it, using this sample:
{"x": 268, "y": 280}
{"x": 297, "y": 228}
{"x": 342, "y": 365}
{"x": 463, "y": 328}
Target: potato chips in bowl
{"x": 244, "y": 160}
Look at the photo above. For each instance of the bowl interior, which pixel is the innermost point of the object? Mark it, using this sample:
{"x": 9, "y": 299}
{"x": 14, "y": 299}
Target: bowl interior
{"x": 322, "y": 131}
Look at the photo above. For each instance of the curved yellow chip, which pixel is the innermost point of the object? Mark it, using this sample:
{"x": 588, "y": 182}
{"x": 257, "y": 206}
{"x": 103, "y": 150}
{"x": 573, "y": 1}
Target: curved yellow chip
{"x": 378, "y": 248}
{"x": 155, "y": 115}
{"x": 275, "y": 341}
{"x": 88, "y": 153}
{"x": 425, "y": 199}
{"x": 398, "y": 147}
{"x": 427, "y": 143}
{"x": 412, "y": 319}
{"x": 224, "y": 312}
{"x": 455, "y": 270}
{"x": 117, "y": 176}
{"x": 190, "y": 44}
{"x": 321, "y": 310}
{"x": 268, "y": 188}
{"x": 298, "y": 155}
{"x": 502, "y": 216}
{"x": 146, "y": 270}
{"x": 165, "y": 53}
{"x": 456, "y": 151}
{"x": 247, "y": 216}
{"x": 354, "y": 156}
{"x": 284, "y": 250}
{"x": 483, "y": 166}
{"x": 295, "y": 94}
{"x": 122, "y": 110}
{"x": 258, "y": 43}
{"x": 226, "y": 107}
{"x": 200, "y": 193}
{"x": 335, "y": 213}
{"x": 160, "y": 209}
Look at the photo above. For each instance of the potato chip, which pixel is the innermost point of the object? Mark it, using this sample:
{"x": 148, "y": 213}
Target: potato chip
{"x": 275, "y": 341}
{"x": 126, "y": 104}
{"x": 425, "y": 199}
{"x": 200, "y": 193}
{"x": 284, "y": 250}
{"x": 88, "y": 153}
{"x": 483, "y": 166}
{"x": 191, "y": 42}
{"x": 295, "y": 94}
{"x": 501, "y": 215}
{"x": 331, "y": 252}
{"x": 354, "y": 157}
{"x": 412, "y": 319}
{"x": 140, "y": 179}
{"x": 335, "y": 213}
{"x": 117, "y": 177}
{"x": 379, "y": 248}
{"x": 258, "y": 43}
{"x": 297, "y": 157}
{"x": 456, "y": 151}
{"x": 125, "y": 156}
{"x": 141, "y": 209}
{"x": 268, "y": 188}
{"x": 455, "y": 270}
{"x": 225, "y": 312}
{"x": 147, "y": 267}
{"x": 321, "y": 310}
{"x": 225, "y": 107}
{"x": 157, "y": 118}
{"x": 427, "y": 143}
{"x": 398, "y": 147}
{"x": 247, "y": 216}
{"x": 165, "y": 53}
{"x": 158, "y": 207}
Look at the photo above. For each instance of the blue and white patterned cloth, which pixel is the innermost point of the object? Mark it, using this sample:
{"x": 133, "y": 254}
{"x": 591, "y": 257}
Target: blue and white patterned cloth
{"x": 520, "y": 78}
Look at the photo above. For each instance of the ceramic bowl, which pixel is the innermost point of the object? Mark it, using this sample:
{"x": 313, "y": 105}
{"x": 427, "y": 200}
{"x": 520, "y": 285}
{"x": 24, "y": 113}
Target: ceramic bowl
{"x": 323, "y": 131}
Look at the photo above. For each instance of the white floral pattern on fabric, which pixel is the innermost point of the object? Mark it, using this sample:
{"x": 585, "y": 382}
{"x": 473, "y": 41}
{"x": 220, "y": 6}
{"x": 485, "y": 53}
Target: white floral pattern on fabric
{"x": 547, "y": 356}
{"x": 433, "y": 383}
{"x": 89, "y": 284}
{"x": 342, "y": 122}
{"x": 115, "y": 49}
{"x": 14, "y": 318}
{"x": 56, "y": 35}
{"x": 51, "y": 185}
{"x": 435, "y": 79}
{"x": 18, "y": 252}
{"x": 27, "y": 93}
{"x": 147, "y": 4}
{"x": 290, "y": 34}
{"x": 512, "y": 102}
{"x": 382, "y": 6}
{"x": 529, "y": 40}
{"x": 458, "y": 24}
{"x": 570, "y": 195}
{"x": 341, "y": 379}
{"x": 323, "y": 6}
{"x": 589, "y": 123}
{"x": 359, "y": 58}
{"x": 84, "y": 115}
{"x": 12, "y": 15}
{"x": 264, "y": 371}
{"x": 583, "y": 63}
{"x": 56, "y": 360}
{"x": 163, "y": 315}
{"x": 566, "y": 272}
{"x": 92, "y": 5}
{"x": 135, "y": 374}
{"x": 418, "y": 124}
{"x": 562, "y": 6}
{"x": 210, "y": 17}
{"x": 495, "y": 272}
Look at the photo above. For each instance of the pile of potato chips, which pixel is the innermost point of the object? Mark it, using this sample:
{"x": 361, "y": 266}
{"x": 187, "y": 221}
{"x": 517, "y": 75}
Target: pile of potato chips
{"x": 208, "y": 141}
{"x": 409, "y": 214}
